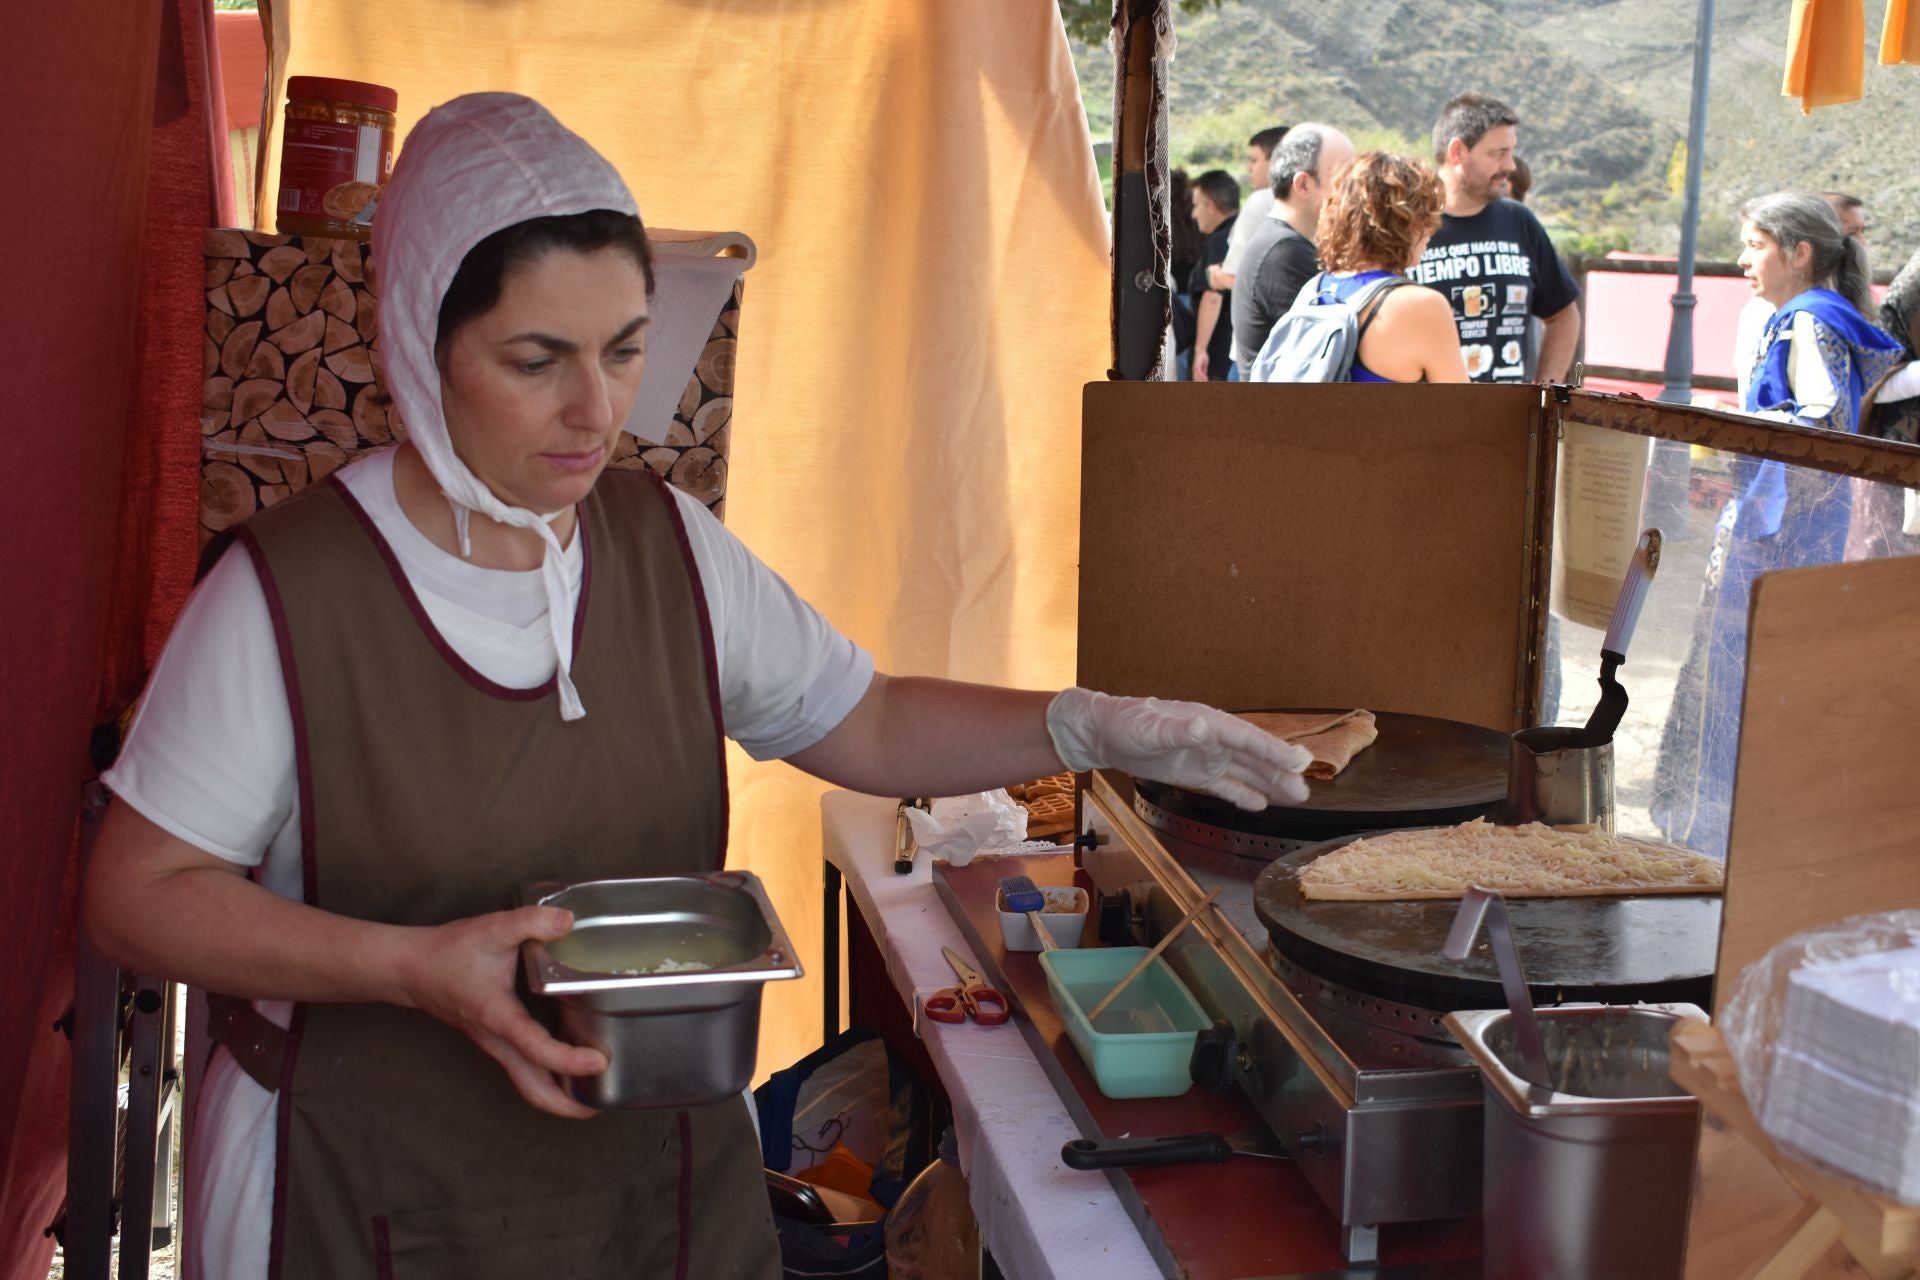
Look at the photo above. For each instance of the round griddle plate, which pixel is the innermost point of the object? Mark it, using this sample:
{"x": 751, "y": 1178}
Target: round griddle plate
{"x": 1420, "y": 772}
{"x": 1658, "y": 948}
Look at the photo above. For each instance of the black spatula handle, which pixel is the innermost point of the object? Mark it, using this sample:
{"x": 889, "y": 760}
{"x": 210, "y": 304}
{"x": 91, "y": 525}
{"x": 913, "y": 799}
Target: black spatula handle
{"x": 1120, "y": 1153}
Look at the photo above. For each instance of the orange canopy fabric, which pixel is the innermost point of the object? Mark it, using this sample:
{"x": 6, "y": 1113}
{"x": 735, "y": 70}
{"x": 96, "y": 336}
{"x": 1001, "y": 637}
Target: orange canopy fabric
{"x": 1900, "y": 37}
{"x": 1826, "y": 53}
{"x": 102, "y": 388}
{"x": 931, "y": 295}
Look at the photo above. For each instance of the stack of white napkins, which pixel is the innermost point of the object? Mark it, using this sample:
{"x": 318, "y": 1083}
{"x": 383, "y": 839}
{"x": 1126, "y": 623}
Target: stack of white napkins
{"x": 1845, "y": 1083}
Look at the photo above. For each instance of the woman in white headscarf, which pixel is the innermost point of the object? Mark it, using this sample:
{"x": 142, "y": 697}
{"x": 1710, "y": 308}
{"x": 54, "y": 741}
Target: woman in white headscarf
{"x": 473, "y": 661}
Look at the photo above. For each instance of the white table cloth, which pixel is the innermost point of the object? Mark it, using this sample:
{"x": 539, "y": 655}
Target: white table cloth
{"x": 1040, "y": 1219}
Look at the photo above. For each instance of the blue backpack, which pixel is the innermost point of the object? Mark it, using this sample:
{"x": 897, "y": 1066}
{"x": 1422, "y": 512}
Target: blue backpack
{"x": 1318, "y": 337}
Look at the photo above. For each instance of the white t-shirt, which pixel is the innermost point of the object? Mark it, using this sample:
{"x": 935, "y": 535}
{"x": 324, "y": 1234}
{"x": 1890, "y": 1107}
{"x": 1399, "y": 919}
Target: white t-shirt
{"x": 1814, "y": 395}
{"x": 210, "y": 759}
{"x": 1259, "y": 205}
{"x": 1746, "y": 342}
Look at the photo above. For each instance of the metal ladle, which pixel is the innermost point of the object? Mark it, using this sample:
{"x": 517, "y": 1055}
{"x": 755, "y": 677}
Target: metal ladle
{"x": 1487, "y": 905}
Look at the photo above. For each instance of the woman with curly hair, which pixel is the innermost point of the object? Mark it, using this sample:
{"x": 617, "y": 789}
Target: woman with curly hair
{"x": 1373, "y": 228}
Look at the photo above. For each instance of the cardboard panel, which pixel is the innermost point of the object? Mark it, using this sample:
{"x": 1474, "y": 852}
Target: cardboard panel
{"x": 1308, "y": 545}
{"x": 1824, "y": 806}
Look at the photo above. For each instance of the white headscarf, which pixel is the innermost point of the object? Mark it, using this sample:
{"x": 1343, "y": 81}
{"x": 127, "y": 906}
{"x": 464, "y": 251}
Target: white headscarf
{"x": 474, "y": 166}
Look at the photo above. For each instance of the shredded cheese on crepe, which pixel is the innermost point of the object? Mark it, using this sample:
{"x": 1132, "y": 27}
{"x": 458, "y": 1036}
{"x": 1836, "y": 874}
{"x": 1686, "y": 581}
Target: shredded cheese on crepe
{"x": 1531, "y": 861}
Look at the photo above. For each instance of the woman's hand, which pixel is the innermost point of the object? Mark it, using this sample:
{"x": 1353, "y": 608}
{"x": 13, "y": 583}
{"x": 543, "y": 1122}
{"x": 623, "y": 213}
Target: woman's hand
{"x": 1185, "y": 743}
{"x": 462, "y": 973}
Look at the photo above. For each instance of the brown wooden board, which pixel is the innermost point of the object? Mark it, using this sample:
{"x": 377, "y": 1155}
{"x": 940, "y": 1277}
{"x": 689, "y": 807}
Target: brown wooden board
{"x": 1213, "y": 1222}
{"x": 1821, "y": 450}
{"x": 1824, "y": 804}
{"x": 1703, "y": 1064}
{"x": 1311, "y": 546}
{"x": 1824, "y": 811}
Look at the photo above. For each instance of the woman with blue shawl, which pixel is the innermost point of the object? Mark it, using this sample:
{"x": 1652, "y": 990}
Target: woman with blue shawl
{"x": 1818, "y": 357}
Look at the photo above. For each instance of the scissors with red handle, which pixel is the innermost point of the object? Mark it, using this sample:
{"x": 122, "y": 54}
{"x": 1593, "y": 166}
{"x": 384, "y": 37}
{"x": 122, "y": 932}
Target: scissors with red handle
{"x": 973, "y": 998}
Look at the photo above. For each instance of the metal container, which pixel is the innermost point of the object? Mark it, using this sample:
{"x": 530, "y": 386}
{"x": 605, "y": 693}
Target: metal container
{"x": 663, "y": 975}
{"x": 1590, "y": 1177}
{"x": 1552, "y": 780}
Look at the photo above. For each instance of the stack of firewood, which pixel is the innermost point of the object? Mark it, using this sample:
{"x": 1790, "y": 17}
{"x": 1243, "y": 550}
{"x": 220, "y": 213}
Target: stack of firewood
{"x": 291, "y": 390}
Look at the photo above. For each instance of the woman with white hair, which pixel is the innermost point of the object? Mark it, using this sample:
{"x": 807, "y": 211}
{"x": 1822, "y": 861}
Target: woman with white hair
{"x": 1819, "y": 354}
{"x": 1818, "y": 357}
{"x": 477, "y": 660}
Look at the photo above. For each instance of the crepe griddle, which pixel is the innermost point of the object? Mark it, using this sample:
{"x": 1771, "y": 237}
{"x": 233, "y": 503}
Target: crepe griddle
{"x": 1659, "y": 948}
{"x": 1420, "y": 772}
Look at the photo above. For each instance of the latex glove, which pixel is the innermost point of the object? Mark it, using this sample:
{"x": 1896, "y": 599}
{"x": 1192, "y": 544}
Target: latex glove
{"x": 1188, "y": 744}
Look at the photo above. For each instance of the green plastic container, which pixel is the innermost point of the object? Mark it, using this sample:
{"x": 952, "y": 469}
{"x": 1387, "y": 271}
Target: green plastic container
{"x": 1144, "y": 1042}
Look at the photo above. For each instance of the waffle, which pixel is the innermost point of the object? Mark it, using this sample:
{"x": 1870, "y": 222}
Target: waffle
{"x": 1051, "y": 785}
{"x": 1048, "y": 802}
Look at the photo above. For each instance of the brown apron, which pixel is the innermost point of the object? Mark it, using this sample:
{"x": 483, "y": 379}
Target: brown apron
{"x": 427, "y": 794}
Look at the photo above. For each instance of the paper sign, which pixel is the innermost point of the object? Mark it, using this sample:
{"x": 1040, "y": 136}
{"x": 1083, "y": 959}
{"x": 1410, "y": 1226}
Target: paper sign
{"x": 1596, "y": 519}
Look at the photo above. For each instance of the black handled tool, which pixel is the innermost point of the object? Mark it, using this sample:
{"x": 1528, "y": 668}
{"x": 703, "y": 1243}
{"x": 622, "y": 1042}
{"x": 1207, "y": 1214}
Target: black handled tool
{"x": 1613, "y": 650}
{"x": 903, "y": 843}
{"x": 1184, "y": 1148}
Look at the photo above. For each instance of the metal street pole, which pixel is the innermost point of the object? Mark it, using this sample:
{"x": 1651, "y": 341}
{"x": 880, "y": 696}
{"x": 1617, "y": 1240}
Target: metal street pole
{"x": 1679, "y": 384}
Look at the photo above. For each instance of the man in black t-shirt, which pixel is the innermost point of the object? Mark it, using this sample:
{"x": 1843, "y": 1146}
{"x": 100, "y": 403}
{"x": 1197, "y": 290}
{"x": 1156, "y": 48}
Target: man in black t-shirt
{"x": 1491, "y": 257}
{"x": 1216, "y": 203}
{"x": 1280, "y": 257}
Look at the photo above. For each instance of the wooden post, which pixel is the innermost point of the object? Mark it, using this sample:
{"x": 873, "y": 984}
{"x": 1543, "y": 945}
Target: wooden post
{"x": 1142, "y": 236}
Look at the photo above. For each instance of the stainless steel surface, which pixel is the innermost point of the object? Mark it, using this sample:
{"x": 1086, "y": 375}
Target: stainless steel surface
{"x": 120, "y": 1135}
{"x": 1592, "y": 1176}
{"x": 1214, "y": 839}
{"x": 903, "y": 846}
{"x": 1385, "y": 1106}
{"x": 93, "y": 1114}
{"x": 1555, "y": 781}
{"x": 150, "y": 1095}
{"x": 1483, "y": 906}
{"x": 1377, "y": 1145}
{"x": 1597, "y": 1055}
{"x": 664, "y": 975}
{"x": 1375, "y": 1032}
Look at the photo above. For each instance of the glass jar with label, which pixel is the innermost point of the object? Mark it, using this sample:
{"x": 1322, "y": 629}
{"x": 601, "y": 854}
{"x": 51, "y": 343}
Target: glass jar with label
{"x": 335, "y": 153}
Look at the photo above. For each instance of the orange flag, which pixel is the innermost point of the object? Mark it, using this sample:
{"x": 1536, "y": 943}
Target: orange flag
{"x": 1826, "y": 52}
{"x": 1900, "y": 38}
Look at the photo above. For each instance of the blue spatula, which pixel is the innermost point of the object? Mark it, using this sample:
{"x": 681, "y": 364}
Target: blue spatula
{"x": 1020, "y": 893}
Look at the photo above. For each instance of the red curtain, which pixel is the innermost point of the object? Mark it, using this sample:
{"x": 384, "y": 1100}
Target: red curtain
{"x": 110, "y": 121}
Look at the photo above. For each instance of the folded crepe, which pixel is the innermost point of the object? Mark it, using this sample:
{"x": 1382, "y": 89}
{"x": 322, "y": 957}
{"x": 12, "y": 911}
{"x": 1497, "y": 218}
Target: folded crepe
{"x": 1335, "y": 738}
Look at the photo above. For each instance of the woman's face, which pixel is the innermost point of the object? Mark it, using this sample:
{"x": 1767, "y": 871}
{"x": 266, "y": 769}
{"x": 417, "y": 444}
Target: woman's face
{"x": 536, "y": 390}
{"x": 1772, "y": 273}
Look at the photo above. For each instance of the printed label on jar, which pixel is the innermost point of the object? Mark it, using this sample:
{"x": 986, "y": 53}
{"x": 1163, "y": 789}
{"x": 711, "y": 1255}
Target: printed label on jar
{"x": 318, "y": 157}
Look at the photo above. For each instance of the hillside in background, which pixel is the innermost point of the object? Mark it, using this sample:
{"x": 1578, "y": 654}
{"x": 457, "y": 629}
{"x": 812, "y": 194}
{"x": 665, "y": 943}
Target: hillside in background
{"x": 1601, "y": 86}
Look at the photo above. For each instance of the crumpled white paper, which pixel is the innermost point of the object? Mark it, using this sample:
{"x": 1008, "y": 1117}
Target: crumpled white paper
{"x": 958, "y": 827}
